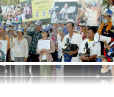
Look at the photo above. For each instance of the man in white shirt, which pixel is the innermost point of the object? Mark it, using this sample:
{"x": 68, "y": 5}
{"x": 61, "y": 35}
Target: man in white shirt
{"x": 75, "y": 39}
{"x": 89, "y": 53}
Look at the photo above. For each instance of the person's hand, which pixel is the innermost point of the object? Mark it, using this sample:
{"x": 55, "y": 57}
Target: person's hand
{"x": 106, "y": 45}
{"x": 83, "y": 58}
{"x": 83, "y": 1}
{"x": 97, "y": 76}
{"x": 97, "y": 1}
{"x": 25, "y": 59}
{"x": 71, "y": 53}
{"x": 43, "y": 50}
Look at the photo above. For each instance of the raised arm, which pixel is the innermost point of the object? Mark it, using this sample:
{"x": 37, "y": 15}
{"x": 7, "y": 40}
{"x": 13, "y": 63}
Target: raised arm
{"x": 25, "y": 29}
{"x": 83, "y": 2}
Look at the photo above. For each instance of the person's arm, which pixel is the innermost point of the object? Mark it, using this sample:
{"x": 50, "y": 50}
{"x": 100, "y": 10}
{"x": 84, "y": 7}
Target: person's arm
{"x": 25, "y": 29}
{"x": 96, "y": 52}
{"x": 8, "y": 46}
{"x": 73, "y": 52}
{"x": 26, "y": 48}
{"x": 37, "y": 50}
{"x": 98, "y": 8}
{"x": 83, "y": 1}
{"x": 91, "y": 57}
{"x": 107, "y": 45}
{"x": 56, "y": 47}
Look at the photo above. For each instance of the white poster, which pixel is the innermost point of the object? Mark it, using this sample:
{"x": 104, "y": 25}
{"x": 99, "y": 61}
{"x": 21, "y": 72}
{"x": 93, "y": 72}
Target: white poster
{"x": 3, "y": 50}
{"x": 44, "y": 44}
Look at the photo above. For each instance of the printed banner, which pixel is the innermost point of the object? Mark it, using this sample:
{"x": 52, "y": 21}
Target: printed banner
{"x": 11, "y": 14}
{"x": 89, "y": 12}
{"x": 64, "y": 11}
{"x": 36, "y": 9}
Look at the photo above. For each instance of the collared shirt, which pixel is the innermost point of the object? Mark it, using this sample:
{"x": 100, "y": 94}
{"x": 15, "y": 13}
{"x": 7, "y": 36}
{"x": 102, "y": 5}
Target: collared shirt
{"x": 22, "y": 45}
{"x": 95, "y": 49}
{"x": 35, "y": 38}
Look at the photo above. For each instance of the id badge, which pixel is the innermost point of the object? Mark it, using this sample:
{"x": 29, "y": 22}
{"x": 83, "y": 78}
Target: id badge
{"x": 18, "y": 49}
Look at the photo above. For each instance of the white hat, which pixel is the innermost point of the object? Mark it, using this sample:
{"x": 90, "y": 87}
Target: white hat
{"x": 20, "y": 29}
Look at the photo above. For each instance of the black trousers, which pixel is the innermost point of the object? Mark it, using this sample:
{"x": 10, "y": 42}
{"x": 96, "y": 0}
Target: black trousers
{"x": 2, "y": 71}
{"x": 72, "y": 70}
{"x": 8, "y": 74}
{"x": 87, "y": 70}
{"x": 35, "y": 68}
{"x": 13, "y": 74}
{"x": 27, "y": 79}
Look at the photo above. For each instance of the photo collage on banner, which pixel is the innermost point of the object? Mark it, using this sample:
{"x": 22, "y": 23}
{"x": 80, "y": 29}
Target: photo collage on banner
{"x": 36, "y": 9}
{"x": 64, "y": 11}
{"x": 11, "y": 14}
{"x": 89, "y": 12}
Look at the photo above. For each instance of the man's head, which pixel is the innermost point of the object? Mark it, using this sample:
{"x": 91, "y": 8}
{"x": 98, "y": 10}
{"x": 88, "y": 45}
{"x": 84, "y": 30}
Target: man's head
{"x": 91, "y": 32}
{"x": 9, "y": 13}
{"x": 25, "y": 5}
{"x": 38, "y": 25}
{"x": 107, "y": 16}
{"x": 0, "y": 45}
{"x": 70, "y": 27}
{"x": 94, "y": 6}
{"x": 18, "y": 11}
{"x": 66, "y": 5}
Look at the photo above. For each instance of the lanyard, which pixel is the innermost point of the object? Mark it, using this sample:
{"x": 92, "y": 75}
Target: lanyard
{"x": 19, "y": 43}
{"x": 37, "y": 35}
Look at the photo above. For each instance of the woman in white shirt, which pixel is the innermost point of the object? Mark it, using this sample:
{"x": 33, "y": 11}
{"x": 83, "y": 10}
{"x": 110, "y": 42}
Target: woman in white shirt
{"x": 20, "y": 45}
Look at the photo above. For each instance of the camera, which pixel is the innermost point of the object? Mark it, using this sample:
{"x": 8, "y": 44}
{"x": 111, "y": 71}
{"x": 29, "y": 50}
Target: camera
{"x": 67, "y": 46}
{"x": 70, "y": 47}
{"x": 86, "y": 50}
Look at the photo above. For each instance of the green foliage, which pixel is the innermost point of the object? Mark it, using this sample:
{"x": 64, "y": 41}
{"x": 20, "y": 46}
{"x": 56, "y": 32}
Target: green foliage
{"x": 8, "y": 2}
{"x": 106, "y": 4}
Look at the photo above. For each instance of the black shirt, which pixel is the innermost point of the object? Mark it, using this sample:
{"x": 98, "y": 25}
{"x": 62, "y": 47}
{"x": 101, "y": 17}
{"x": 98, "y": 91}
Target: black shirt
{"x": 108, "y": 34}
{"x": 104, "y": 74}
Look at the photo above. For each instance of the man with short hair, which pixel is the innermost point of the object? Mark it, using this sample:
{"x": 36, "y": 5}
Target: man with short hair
{"x": 106, "y": 27}
{"x": 74, "y": 70}
{"x": 74, "y": 39}
{"x": 89, "y": 51}
{"x": 36, "y": 35}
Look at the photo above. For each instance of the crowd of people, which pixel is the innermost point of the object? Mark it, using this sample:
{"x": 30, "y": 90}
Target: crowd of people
{"x": 66, "y": 44}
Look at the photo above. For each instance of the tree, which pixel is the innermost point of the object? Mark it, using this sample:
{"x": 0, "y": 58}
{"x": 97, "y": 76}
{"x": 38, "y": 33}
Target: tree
{"x": 106, "y": 4}
{"x": 8, "y": 2}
